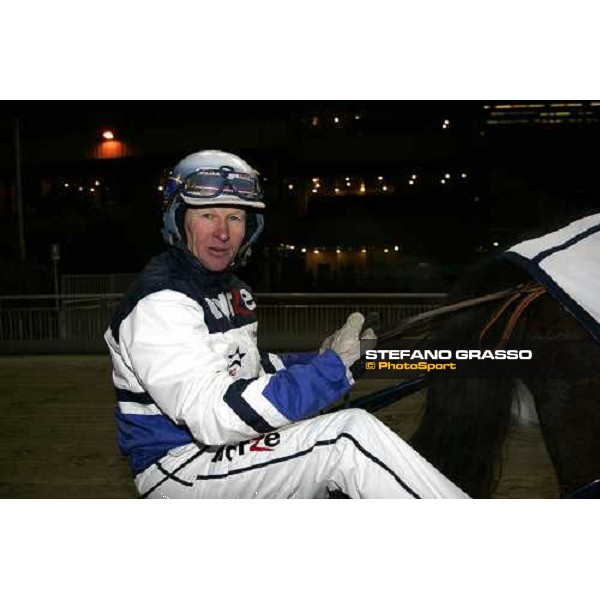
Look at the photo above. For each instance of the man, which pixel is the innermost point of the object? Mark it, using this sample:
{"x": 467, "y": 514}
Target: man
{"x": 201, "y": 411}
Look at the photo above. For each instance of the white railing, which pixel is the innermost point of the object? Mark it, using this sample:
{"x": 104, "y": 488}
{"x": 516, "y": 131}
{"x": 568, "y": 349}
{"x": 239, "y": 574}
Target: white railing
{"x": 306, "y": 319}
{"x": 96, "y": 284}
{"x": 49, "y": 317}
{"x": 287, "y": 321}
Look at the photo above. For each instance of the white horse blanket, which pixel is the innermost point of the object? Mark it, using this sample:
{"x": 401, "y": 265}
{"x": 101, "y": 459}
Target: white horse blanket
{"x": 567, "y": 263}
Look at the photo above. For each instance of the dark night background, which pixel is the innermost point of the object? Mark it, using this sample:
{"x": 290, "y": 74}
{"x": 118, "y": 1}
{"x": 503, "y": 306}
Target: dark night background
{"x": 509, "y": 167}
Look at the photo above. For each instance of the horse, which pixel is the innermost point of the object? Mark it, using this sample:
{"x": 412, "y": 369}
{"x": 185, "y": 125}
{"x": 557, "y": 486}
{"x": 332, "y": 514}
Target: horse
{"x": 465, "y": 420}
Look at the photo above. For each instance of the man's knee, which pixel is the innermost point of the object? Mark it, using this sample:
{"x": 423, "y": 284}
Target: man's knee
{"x": 352, "y": 421}
{"x": 357, "y": 418}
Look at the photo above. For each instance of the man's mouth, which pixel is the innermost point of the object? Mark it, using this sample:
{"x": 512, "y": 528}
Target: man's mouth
{"x": 218, "y": 251}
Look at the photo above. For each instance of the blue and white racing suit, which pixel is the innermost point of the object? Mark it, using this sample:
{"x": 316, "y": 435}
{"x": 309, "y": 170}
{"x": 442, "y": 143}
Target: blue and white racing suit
{"x": 201, "y": 412}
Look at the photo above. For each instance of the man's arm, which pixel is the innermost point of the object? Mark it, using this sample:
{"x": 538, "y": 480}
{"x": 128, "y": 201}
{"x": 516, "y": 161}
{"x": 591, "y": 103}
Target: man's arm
{"x": 184, "y": 368}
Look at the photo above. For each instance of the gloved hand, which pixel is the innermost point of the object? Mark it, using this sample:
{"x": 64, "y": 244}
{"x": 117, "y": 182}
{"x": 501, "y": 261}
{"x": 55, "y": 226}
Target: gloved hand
{"x": 346, "y": 340}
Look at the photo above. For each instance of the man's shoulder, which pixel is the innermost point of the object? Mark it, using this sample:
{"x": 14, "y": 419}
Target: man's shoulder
{"x": 162, "y": 272}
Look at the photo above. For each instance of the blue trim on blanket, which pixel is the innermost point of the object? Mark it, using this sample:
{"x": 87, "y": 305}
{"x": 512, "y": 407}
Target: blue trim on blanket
{"x": 580, "y": 236}
{"x": 533, "y": 268}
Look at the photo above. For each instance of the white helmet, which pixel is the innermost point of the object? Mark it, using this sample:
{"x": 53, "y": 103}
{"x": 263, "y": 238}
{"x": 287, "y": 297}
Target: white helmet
{"x": 212, "y": 178}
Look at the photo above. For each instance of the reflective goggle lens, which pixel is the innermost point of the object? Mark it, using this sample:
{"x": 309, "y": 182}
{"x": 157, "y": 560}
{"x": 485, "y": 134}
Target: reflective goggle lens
{"x": 211, "y": 184}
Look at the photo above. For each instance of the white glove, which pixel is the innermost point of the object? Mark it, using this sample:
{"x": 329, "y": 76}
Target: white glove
{"x": 345, "y": 342}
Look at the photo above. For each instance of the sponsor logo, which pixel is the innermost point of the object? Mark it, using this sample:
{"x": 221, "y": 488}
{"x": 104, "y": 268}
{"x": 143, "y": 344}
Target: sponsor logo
{"x": 235, "y": 362}
{"x": 264, "y": 443}
{"x": 238, "y": 301}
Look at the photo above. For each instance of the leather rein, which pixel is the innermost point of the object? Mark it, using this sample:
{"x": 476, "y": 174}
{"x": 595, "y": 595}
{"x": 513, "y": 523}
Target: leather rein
{"x": 526, "y": 293}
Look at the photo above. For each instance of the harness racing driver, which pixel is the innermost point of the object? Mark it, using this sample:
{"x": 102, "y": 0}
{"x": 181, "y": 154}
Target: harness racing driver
{"x": 201, "y": 411}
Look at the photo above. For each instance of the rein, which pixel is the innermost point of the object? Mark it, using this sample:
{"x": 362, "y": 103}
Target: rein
{"x": 530, "y": 291}
{"x": 528, "y": 294}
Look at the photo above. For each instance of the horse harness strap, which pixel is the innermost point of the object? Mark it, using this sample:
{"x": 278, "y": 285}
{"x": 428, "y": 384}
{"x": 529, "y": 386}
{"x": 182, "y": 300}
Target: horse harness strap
{"x": 531, "y": 291}
{"x": 527, "y": 293}
{"x": 411, "y": 322}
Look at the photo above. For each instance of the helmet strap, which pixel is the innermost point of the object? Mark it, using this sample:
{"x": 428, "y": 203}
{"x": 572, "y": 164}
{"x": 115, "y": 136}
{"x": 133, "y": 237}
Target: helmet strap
{"x": 245, "y": 250}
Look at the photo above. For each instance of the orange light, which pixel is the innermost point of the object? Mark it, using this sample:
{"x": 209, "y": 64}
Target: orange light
{"x": 108, "y": 135}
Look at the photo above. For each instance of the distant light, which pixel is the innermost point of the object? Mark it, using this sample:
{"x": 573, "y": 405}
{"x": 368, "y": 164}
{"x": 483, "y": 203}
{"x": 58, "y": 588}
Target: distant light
{"x": 80, "y": 189}
{"x": 314, "y": 190}
{"x": 396, "y": 248}
{"x": 337, "y": 190}
{"x": 411, "y": 182}
{"x": 362, "y": 188}
{"x": 386, "y": 250}
{"x": 291, "y": 186}
{"x": 463, "y": 175}
{"x": 292, "y": 247}
{"x": 380, "y": 178}
{"x": 347, "y": 184}
{"x": 315, "y": 179}
{"x": 315, "y": 251}
{"x": 66, "y": 185}
{"x": 495, "y": 244}
{"x": 303, "y": 250}
{"x": 338, "y": 251}
{"x": 443, "y": 180}
{"x": 96, "y": 182}
{"x": 364, "y": 250}
{"x": 336, "y": 120}
{"x": 92, "y": 190}
{"x": 315, "y": 121}
{"x": 347, "y": 178}
{"x": 108, "y": 135}
{"x": 447, "y": 175}
{"x": 160, "y": 188}
{"x": 384, "y": 188}
{"x": 357, "y": 117}
{"x": 317, "y": 185}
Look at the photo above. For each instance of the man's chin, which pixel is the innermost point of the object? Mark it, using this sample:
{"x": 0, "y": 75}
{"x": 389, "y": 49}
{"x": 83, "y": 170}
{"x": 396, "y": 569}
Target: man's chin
{"x": 216, "y": 263}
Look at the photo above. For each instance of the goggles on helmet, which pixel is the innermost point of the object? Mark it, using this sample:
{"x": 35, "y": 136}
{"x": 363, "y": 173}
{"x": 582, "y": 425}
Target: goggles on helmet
{"x": 211, "y": 183}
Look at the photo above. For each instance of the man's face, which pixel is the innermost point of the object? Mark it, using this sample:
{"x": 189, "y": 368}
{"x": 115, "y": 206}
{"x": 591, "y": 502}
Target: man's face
{"x": 215, "y": 234}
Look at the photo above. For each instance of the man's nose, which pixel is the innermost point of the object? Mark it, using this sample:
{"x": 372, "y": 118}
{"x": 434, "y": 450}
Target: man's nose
{"x": 222, "y": 230}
